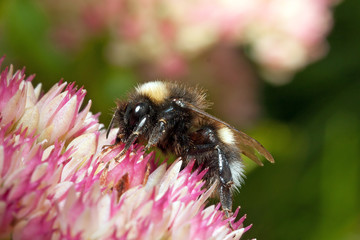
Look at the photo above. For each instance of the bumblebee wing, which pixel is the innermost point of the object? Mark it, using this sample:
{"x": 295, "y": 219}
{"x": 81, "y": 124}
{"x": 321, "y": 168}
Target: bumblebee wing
{"x": 247, "y": 144}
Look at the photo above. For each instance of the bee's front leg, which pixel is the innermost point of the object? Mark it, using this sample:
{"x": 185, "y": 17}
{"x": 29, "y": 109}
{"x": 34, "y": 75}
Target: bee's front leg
{"x": 157, "y": 133}
{"x": 109, "y": 146}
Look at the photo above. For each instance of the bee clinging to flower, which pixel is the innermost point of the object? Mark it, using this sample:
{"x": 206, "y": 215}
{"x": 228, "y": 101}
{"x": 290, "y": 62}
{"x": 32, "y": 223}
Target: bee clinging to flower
{"x": 172, "y": 117}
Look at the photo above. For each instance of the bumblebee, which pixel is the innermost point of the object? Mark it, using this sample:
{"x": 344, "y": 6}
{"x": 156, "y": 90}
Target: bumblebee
{"x": 172, "y": 117}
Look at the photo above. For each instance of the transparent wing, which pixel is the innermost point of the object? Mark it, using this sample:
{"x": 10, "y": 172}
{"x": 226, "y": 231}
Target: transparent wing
{"x": 247, "y": 145}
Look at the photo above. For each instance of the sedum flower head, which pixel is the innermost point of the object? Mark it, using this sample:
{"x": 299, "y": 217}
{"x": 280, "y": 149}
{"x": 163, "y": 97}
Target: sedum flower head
{"x": 57, "y": 183}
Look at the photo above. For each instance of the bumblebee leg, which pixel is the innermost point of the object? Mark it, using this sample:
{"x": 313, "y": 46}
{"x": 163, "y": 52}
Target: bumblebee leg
{"x": 226, "y": 182}
{"x": 117, "y": 140}
{"x": 167, "y": 118}
{"x": 205, "y": 140}
{"x": 157, "y": 133}
{"x": 132, "y": 138}
{"x": 225, "y": 176}
{"x": 139, "y": 129}
{"x": 109, "y": 146}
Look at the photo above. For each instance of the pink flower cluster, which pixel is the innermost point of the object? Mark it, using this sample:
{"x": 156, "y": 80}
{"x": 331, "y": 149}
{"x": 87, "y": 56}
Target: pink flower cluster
{"x": 282, "y": 35}
{"x": 57, "y": 183}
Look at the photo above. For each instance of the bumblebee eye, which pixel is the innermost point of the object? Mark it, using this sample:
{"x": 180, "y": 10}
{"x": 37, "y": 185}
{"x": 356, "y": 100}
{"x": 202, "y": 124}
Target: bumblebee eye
{"x": 141, "y": 109}
{"x": 134, "y": 113}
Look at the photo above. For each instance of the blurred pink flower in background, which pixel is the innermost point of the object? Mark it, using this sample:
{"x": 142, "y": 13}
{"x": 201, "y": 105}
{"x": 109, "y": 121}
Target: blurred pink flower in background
{"x": 55, "y": 182}
{"x": 282, "y": 36}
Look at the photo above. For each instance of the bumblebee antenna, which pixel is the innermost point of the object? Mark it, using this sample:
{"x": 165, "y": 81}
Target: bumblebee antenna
{"x": 111, "y": 124}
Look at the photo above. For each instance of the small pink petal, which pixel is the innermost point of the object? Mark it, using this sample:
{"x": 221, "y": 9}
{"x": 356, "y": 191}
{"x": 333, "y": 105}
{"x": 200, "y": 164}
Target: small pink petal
{"x": 2, "y": 158}
{"x": 62, "y": 119}
{"x": 85, "y": 146}
{"x": 45, "y": 135}
{"x": 50, "y": 95}
{"x": 31, "y": 98}
{"x": 39, "y": 171}
{"x": 14, "y": 108}
{"x": 155, "y": 177}
{"x": 38, "y": 227}
{"x": 30, "y": 119}
{"x": 169, "y": 178}
{"x": 79, "y": 120}
{"x": 37, "y": 91}
{"x": 235, "y": 234}
{"x": 47, "y": 111}
{"x": 61, "y": 189}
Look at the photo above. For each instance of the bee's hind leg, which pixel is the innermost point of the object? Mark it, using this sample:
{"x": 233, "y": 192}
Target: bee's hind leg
{"x": 205, "y": 140}
{"x": 226, "y": 182}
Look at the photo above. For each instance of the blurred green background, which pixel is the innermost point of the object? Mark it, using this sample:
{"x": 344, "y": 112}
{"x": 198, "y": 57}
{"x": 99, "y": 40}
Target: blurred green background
{"x": 311, "y": 125}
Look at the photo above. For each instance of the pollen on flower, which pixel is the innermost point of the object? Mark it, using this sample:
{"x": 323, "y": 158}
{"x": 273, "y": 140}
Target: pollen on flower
{"x": 58, "y": 182}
